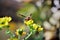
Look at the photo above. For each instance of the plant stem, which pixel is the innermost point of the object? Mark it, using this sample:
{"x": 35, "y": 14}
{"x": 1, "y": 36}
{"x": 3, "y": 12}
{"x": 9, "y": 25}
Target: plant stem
{"x": 28, "y": 36}
{"x": 18, "y": 37}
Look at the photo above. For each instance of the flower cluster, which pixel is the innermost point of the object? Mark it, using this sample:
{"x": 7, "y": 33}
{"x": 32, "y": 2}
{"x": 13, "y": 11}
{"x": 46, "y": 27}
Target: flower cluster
{"x": 20, "y": 32}
{"x": 37, "y": 27}
{"x": 32, "y": 25}
{"x": 28, "y": 22}
{"x": 4, "y": 21}
{"x": 34, "y": 28}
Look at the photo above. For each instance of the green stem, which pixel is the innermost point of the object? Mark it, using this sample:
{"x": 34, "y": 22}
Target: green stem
{"x": 28, "y": 36}
{"x": 18, "y": 37}
{"x": 10, "y": 33}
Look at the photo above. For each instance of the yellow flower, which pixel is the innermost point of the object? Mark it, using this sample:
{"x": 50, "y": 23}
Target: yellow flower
{"x": 39, "y": 29}
{"x": 29, "y": 22}
{"x": 4, "y": 21}
{"x": 1, "y": 20}
{"x": 19, "y": 32}
{"x": 3, "y": 24}
{"x": 13, "y": 39}
{"x": 35, "y": 26}
{"x": 24, "y": 33}
{"x": 8, "y": 19}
